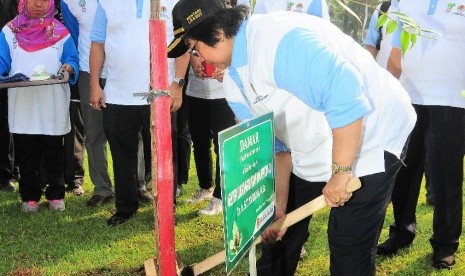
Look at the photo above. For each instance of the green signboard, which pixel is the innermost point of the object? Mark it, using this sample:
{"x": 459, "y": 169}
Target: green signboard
{"x": 247, "y": 184}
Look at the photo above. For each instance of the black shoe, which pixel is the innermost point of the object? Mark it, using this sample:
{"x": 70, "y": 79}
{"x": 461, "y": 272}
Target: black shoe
{"x": 430, "y": 201}
{"x": 447, "y": 262}
{"x": 98, "y": 200}
{"x": 148, "y": 177}
{"x": 76, "y": 189}
{"x": 391, "y": 246}
{"x": 7, "y": 186}
{"x": 119, "y": 217}
{"x": 145, "y": 196}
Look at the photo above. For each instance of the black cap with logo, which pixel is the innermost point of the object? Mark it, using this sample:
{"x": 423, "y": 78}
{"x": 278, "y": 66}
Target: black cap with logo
{"x": 188, "y": 14}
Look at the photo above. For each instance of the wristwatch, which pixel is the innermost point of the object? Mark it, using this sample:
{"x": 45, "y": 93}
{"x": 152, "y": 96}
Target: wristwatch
{"x": 179, "y": 81}
{"x": 340, "y": 169}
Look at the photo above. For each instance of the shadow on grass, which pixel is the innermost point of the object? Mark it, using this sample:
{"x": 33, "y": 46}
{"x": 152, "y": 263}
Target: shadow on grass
{"x": 200, "y": 252}
{"x": 185, "y": 217}
{"x": 396, "y": 265}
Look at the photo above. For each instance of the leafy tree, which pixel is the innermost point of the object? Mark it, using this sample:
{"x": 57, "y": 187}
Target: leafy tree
{"x": 352, "y": 16}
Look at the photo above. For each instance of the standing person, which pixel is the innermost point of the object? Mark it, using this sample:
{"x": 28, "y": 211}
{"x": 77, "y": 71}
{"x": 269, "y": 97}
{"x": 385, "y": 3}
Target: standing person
{"x": 376, "y": 41}
{"x": 314, "y": 7}
{"x": 332, "y": 105}
{"x": 38, "y": 116}
{"x": 8, "y": 171}
{"x": 78, "y": 17}
{"x": 120, "y": 30}
{"x": 74, "y": 146}
{"x": 438, "y": 136}
{"x": 184, "y": 144}
{"x": 209, "y": 114}
{"x": 380, "y": 45}
{"x": 74, "y": 140}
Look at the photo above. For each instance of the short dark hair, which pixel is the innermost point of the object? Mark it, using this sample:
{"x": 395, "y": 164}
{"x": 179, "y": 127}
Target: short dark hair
{"x": 228, "y": 20}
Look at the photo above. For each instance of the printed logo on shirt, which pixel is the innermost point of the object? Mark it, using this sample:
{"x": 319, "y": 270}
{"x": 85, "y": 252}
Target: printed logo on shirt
{"x": 289, "y": 6}
{"x": 299, "y": 7}
{"x": 15, "y": 42}
{"x": 295, "y": 7}
{"x": 455, "y": 9}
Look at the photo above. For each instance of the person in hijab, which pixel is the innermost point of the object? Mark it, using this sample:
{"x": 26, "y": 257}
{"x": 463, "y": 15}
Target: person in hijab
{"x": 38, "y": 116}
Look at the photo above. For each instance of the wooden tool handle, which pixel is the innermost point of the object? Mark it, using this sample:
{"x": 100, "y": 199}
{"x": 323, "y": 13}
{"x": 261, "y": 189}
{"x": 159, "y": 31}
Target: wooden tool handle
{"x": 283, "y": 223}
{"x": 309, "y": 208}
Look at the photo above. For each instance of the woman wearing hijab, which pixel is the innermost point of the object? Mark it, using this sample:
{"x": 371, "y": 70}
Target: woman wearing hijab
{"x": 38, "y": 116}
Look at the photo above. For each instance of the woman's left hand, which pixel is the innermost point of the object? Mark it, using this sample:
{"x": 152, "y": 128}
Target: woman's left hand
{"x": 68, "y": 68}
{"x": 335, "y": 191}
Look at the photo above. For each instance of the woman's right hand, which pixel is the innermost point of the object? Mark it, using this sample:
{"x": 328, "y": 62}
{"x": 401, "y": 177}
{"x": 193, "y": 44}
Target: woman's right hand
{"x": 196, "y": 63}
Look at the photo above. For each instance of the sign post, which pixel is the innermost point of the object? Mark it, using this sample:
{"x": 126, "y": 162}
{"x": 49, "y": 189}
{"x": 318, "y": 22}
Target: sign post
{"x": 247, "y": 184}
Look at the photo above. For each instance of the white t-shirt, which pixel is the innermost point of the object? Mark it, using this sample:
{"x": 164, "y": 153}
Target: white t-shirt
{"x": 373, "y": 35}
{"x": 37, "y": 109}
{"x": 433, "y": 71}
{"x": 84, "y": 16}
{"x": 207, "y": 88}
{"x": 313, "y": 76}
{"x": 123, "y": 27}
{"x": 314, "y": 7}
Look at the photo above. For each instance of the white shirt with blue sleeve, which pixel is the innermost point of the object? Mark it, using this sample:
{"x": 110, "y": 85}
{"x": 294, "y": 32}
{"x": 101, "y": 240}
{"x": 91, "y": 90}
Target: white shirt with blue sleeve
{"x": 314, "y": 78}
{"x": 314, "y": 7}
{"x": 42, "y": 109}
{"x": 374, "y": 34}
{"x": 433, "y": 70}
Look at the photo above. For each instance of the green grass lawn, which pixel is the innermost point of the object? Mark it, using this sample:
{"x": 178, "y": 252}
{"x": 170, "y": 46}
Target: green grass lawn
{"x": 78, "y": 241}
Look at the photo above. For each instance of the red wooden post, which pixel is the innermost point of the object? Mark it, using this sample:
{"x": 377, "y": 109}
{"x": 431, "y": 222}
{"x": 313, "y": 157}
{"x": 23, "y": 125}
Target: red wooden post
{"x": 162, "y": 165}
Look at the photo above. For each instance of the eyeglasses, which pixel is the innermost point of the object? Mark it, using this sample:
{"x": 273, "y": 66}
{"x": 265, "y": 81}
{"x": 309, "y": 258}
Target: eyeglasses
{"x": 193, "y": 51}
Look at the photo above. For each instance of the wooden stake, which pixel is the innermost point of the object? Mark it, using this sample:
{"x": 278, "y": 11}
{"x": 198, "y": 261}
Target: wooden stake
{"x": 162, "y": 154}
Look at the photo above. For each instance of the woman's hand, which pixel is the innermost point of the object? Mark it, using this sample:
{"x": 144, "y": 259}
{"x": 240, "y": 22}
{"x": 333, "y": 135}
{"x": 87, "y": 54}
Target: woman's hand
{"x": 335, "y": 191}
{"x": 271, "y": 235}
{"x": 196, "y": 64}
{"x": 68, "y": 68}
{"x": 218, "y": 74}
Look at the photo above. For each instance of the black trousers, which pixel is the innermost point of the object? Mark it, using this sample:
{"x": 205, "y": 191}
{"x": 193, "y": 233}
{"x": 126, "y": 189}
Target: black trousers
{"x": 183, "y": 143}
{"x": 353, "y": 229}
{"x": 74, "y": 147}
{"x": 122, "y": 125}
{"x": 181, "y": 151}
{"x": 438, "y": 137}
{"x": 7, "y": 170}
{"x": 206, "y": 119}
{"x": 31, "y": 151}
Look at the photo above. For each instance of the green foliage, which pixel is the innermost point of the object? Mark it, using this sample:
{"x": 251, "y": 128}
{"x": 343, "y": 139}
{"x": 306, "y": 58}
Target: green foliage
{"x": 349, "y": 10}
{"x": 410, "y": 29}
{"x": 405, "y": 40}
{"x": 391, "y": 27}
{"x": 382, "y": 19}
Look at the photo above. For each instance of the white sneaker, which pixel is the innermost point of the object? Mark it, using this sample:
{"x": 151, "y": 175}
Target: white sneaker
{"x": 215, "y": 206}
{"x": 201, "y": 195}
{"x": 303, "y": 253}
{"x": 178, "y": 190}
{"x": 56, "y": 205}
{"x": 30, "y": 206}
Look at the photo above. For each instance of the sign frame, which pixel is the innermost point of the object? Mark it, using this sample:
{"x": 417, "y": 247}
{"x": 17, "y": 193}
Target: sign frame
{"x": 246, "y": 153}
